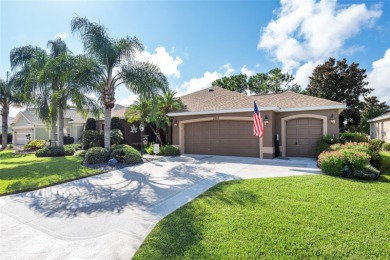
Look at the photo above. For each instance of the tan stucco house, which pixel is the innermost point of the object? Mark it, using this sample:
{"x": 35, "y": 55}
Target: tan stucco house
{"x": 27, "y": 122}
{"x": 380, "y": 127}
{"x": 217, "y": 121}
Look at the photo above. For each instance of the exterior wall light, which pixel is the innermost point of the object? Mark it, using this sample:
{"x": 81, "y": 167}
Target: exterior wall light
{"x": 266, "y": 120}
{"x": 332, "y": 120}
{"x": 175, "y": 122}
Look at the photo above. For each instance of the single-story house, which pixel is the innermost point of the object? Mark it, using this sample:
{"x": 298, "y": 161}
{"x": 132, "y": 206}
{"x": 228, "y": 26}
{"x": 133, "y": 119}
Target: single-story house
{"x": 380, "y": 127}
{"x": 27, "y": 123}
{"x": 217, "y": 121}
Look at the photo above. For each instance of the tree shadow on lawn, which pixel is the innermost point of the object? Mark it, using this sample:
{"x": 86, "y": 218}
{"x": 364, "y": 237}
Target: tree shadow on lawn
{"x": 184, "y": 230}
{"x": 111, "y": 192}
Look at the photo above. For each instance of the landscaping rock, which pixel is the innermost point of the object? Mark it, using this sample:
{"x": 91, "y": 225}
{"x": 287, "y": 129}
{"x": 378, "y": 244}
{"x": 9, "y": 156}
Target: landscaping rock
{"x": 112, "y": 162}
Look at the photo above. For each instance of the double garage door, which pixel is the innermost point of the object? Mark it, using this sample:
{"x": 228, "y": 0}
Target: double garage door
{"x": 221, "y": 137}
{"x": 302, "y": 137}
{"x": 235, "y": 138}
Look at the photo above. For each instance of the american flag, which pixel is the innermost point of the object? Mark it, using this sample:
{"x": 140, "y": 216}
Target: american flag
{"x": 257, "y": 122}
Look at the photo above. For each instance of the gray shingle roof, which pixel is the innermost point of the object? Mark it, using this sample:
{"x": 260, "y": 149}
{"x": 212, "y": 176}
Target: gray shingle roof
{"x": 220, "y": 99}
{"x": 382, "y": 117}
{"x": 31, "y": 115}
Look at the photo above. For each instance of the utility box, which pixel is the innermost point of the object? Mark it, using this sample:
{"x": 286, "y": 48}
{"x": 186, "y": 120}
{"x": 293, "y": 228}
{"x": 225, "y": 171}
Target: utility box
{"x": 156, "y": 148}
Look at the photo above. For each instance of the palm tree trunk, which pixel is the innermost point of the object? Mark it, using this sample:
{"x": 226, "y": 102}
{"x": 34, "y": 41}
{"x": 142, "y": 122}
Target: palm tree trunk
{"x": 60, "y": 126}
{"x": 53, "y": 129}
{"x": 107, "y": 128}
{"x": 157, "y": 135}
{"x": 4, "y": 115}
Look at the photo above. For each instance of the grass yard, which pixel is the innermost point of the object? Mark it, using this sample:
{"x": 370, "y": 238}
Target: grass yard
{"x": 23, "y": 172}
{"x": 313, "y": 216}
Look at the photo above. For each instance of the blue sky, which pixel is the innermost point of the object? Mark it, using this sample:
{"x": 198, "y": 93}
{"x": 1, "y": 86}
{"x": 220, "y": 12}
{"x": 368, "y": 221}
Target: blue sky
{"x": 195, "y": 42}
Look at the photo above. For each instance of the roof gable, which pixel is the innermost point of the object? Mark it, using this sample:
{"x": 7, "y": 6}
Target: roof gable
{"x": 382, "y": 117}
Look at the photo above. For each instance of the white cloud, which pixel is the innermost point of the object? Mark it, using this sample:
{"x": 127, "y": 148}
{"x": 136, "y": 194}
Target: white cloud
{"x": 206, "y": 80}
{"x": 379, "y": 77}
{"x": 246, "y": 71}
{"x": 196, "y": 84}
{"x": 167, "y": 63}
{"x": 127, "y": 101}
{"x": 60, "y": 35}
{"x": 307, "y": 32}
{"x": 229, "y": 70}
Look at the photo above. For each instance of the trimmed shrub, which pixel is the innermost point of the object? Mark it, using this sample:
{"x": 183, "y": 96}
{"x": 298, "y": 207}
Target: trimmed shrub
{"x": 74, "y": 146}
{"x": 90, "y": 124}
{"x": 132, "y": 156}
{"x": 331, "y": 162}
{"x": 119, "y": 146}
{"x": 116, "y": 123}
{"x": 325, "y": 142}
{"x": 10, "y": 146}
{"x": 355, "y": 158}
{"x": 386, "y": 146}
{"x": 52, "y": 151}
{"x": 376, "y": 144}
{"x": 9, "y": 138}
{"x": 35, "y": 144}
{"x": 353, "y": 137}
{"x": 126, "y": 155}
{"x": 367, "y": 172}
{"x": 96, "y": 155}
{"x": 80, "y": 153}
{"x": 92, "y": 138}
{"x": 69, "y": 150}
{"x": 116, "y": 136}
{"x": 170, "y": 150}
{"x": 68, "y": 140}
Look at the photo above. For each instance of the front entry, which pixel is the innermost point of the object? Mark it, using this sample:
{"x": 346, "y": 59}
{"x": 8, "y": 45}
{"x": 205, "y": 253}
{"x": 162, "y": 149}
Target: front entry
{"x": 221, "y": 137}
{"x": 302, "y": 137}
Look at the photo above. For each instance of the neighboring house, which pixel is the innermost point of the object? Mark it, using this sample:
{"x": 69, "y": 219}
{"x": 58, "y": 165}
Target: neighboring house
{"x": 380, "y": 127}
{"x": 9, "y": 125}
{"x": 28, "y": 123}
{"x": 220, "y": 122}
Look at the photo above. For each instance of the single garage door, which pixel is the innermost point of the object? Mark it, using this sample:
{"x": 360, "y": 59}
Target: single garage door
{"x": 20, "y": 136}
{"x": 303, "y": 135}
{"x": 221, "y": 137}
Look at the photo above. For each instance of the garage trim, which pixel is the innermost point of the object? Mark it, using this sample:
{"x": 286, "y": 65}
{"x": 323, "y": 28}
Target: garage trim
{"x": 284, "y": 128}
{"x": 230, "y": 118}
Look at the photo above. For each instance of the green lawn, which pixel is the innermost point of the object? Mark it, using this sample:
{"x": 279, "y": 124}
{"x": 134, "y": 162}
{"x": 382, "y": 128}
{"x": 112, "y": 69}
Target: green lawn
{"x": 303, "y": 217}
{"x": 26, "y": 172}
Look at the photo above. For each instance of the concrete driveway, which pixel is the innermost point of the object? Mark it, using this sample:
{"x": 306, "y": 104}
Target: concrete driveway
{"x": 109, "y": 215}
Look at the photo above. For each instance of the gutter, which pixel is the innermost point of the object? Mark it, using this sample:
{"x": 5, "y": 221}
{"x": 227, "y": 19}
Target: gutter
{"x": 275, "y": 109}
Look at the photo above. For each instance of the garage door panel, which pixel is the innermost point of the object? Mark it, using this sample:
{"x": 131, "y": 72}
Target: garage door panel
{"x": 302, "y": 136}
{"x": 221, "y": 137}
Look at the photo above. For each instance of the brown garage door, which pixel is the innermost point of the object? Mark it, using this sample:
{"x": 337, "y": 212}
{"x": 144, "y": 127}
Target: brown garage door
{"x": 303, "y": 135}
{"x": 221, "y": 137}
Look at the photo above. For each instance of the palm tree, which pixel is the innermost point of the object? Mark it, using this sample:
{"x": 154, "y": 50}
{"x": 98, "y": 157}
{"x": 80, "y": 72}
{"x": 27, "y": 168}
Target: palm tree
{"x": 55, "y": 79}
{"x": 8, "y": 96}
{"x": 71, "y": 78}
{"x": 27, "y": 62}
{"x": 117, "y": 66}
{"x": 152, "y": 113}
{"x": 167, "y": 102}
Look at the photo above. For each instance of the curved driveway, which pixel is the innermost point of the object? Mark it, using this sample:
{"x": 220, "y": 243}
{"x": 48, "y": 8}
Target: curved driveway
{"x": 108, "y": 216}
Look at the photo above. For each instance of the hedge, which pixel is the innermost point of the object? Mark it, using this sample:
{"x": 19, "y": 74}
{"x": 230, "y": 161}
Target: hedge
{"x": 35, "y": 144}
{"x": 96, "y": 155}
{"x": 52, "y": 151}
{"x": 353, "y": 137}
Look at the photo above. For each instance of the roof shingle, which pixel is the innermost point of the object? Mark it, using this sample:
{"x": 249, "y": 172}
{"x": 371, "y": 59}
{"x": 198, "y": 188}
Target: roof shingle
{"x": 219, "y": 99}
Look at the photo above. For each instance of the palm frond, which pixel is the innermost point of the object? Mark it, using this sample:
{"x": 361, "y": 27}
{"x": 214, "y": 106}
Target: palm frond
{"x": 144, "y": 79}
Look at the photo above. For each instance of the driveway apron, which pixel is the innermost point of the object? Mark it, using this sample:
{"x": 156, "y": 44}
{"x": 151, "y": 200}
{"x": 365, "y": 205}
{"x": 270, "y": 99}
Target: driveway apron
{"x": 107, "y": 216}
